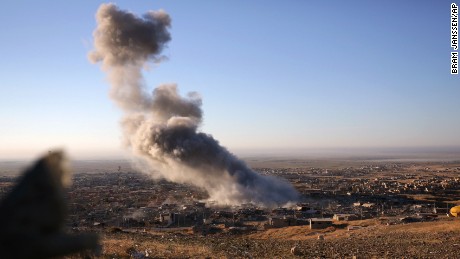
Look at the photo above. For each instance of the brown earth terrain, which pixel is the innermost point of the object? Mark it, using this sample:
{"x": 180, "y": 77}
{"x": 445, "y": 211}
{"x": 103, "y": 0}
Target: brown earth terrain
{"x": 379, "y": 237}
{"x": 436, "y": 239}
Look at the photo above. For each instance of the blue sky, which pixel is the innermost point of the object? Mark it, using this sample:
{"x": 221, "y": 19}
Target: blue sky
{"x": 274, "y": 75}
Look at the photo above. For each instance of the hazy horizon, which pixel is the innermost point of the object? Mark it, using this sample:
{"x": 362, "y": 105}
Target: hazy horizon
{"x": 440, "y": 153}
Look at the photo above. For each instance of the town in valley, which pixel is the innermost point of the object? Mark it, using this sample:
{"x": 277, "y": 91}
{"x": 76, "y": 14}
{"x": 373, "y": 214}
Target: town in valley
{"x": 358, "y": 200}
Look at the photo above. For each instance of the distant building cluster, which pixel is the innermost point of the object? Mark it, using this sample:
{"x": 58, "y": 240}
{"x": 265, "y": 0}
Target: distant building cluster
{"x": 133, "y": 200}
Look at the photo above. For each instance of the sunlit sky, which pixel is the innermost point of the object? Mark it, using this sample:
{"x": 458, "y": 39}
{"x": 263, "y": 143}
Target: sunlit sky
{"x": 273, "y": 75}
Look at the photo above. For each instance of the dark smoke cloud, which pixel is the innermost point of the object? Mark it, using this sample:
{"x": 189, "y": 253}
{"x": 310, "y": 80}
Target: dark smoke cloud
{"x": 123, "y": 43}
{"x": 122, "y": 39}
{"x": 162, "y": 128}
{"x": 167, "y": 103}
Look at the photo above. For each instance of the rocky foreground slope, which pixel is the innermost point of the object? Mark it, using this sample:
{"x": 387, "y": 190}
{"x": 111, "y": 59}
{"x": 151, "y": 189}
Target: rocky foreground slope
{"x": 436, "y": 239}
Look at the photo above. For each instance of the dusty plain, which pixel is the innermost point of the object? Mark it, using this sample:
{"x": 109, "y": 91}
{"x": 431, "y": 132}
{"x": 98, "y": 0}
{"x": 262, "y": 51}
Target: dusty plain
{"x": 383, "y": 233}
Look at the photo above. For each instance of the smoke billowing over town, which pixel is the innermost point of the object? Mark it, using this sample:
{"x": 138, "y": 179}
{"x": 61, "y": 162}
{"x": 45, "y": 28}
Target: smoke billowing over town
{"x": 163, "y": 128}
{"x": 352, "y": 146}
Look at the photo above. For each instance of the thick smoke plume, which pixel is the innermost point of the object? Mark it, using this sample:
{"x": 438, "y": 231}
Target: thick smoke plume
{"x": 162, "y": 128}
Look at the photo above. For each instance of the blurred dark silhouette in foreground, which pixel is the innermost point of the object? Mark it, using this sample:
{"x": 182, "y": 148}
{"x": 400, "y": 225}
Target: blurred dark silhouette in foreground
{"x": 32, "y": 215}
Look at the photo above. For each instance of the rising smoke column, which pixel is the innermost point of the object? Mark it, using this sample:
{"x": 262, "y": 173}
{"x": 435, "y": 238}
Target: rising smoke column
{"x": 162, "y": 128}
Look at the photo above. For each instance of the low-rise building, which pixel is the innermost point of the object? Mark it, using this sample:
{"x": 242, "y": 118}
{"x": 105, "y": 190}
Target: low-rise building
{"x": 344, "y": 217}
{"x": 317, "y": 223}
